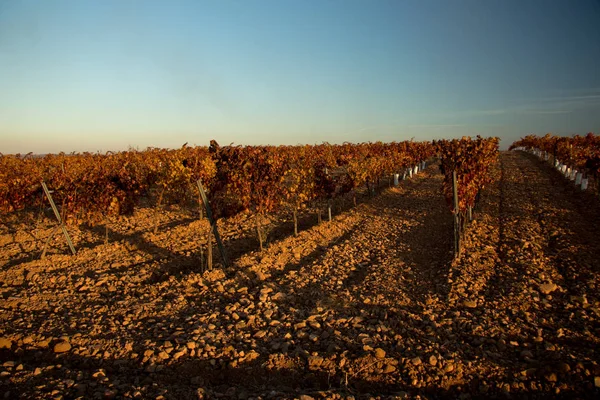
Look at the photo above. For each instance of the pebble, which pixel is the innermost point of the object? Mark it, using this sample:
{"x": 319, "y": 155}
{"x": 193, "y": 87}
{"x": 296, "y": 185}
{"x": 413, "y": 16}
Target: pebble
{"x": 260, "y": 334}
{"x": 315, "y": 361}
{"x": 5, "y": 343}
{"x": 278, "y": 297}
{"x": 379, "y": 353}
{"x": 547, "y": 288}
{"x": 389, "y": 369}
{"x": 470, "y": 304}
{"x": 551, "y": 377}
{"x": 62, "y": 347}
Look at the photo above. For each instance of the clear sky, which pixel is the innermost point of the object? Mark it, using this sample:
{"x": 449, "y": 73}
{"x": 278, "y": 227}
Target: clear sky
{"x": 79, "y": 75}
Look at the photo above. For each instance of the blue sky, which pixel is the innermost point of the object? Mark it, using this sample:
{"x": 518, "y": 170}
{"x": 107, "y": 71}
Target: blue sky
{"x": 84, "y": 75}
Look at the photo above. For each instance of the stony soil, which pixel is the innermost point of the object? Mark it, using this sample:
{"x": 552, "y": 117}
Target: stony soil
{"x": 370, "y": 305}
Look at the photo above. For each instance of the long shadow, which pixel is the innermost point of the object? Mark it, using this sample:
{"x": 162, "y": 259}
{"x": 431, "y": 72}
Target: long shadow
{"x": 192, "y": 378}
{"x": 574, "y": 252}
{"x": 275, "y": 372}
{"x": 263, "y": 376}
{"x": 507, "y": 275}
{"x": 235, "y": 248}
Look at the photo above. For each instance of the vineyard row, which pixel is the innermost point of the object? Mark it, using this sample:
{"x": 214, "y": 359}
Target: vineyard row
{"x": 88, "y": 187}
{"x": 577, "y": 157}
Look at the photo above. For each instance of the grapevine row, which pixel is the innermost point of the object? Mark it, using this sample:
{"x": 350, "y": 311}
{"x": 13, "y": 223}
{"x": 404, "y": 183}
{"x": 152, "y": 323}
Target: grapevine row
{"x": 89, "y": 187}
{"x": 581, "y": 153}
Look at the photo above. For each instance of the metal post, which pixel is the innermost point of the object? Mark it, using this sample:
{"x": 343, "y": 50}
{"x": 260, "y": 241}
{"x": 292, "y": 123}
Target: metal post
{"x": 456, "y": 215}
{"x": 58, "y": 217}
{"x": 213, "y": 223}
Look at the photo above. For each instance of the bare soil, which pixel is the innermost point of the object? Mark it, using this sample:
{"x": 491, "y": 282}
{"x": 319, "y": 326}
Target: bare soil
{"x": 369, "y": 305}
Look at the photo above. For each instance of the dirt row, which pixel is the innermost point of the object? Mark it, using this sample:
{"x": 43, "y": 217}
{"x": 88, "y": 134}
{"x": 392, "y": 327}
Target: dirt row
{"x": 368, "y": 305}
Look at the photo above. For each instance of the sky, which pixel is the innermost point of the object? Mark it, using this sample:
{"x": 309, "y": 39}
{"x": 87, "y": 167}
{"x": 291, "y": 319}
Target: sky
{"x": 79, "y": 75}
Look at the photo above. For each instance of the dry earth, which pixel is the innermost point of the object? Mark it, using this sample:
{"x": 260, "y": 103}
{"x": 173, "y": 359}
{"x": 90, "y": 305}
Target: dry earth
{"x": 369, "y": 305}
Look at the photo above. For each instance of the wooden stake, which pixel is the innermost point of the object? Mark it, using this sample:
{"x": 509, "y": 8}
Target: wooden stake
{"x": 60, "y": 220}
{"x": 295, "y": 222}
{"x": 213, "y": 224}
{"x": 160, "y": 198}
{"x": 456, "y": 215}
{"x": 260, "y": 238}
{"x": 48, "y": 241}
{"x": 209, "y": 253}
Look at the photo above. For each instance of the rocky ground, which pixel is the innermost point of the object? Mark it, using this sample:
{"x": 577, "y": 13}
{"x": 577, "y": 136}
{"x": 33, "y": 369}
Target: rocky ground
{"x": 369, "y": 305}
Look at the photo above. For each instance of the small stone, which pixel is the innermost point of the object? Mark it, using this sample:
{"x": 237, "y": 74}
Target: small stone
{"x": 416, "y": 361}
{"x": 37, "y": 371}
{"x": 306, "y": 397}
{"x": 432, "y": 360}
{"x": 470, "y": 304}
{"x": 252, "y": 355}
{"x": 99, "y": 374}
{"x": 241, "y": 325}
{"x": 389, "y": 369}
{"x": 300, "y": 325}
{"x": 547, "y": 288}
{"x": 278, "y": 297}
{"x": 315, "y": 361}
{"x": 62, "y": 347}
{"x": 315, "y": 325}
{"x": 597, "y": 381}
{"x": 551, "y": 377}
{"x": 529, "y": 372}
{"x": 260, "y": 276}
{"x": 260, "y": 334}
{"x": 5, "y": 343}
{"x": 379, "y": 353}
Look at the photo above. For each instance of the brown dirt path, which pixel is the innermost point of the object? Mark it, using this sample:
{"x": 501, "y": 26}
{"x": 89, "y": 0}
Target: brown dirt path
{"x": 368, "y": 305}
{"x": 530, "y": 268}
